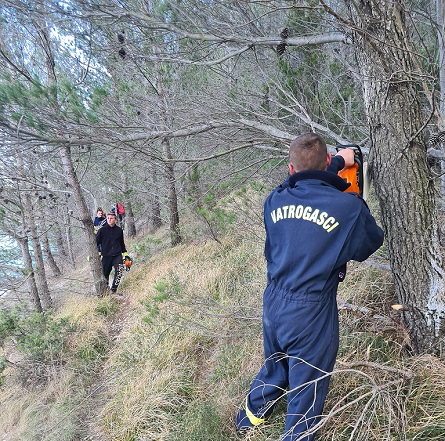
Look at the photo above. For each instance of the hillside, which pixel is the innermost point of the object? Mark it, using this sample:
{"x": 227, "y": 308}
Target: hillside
{"x": 172, "y": 359}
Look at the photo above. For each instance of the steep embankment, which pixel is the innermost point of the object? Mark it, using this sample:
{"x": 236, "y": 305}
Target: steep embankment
{"x": 173, "y": 359}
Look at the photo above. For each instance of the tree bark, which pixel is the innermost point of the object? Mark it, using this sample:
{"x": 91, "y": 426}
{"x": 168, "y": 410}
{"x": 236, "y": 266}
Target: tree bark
{"x": 30, "y": 276}
{"x": 155, "y": 206}
{"x": 130, "y": 226}
{"x": 47, "y": 251}
{"x": 400, "y": 172}
{"x": 69, "y": 238}
{"x": 22, "y": 240}
{"x": 60, "y": 241}
{"x": 39, "y": 268}
{"x": 440, "y": 13}
{"x": 28, "y": 220}
{"x": 175, "y": 231}
{"x": 46, "y": 246}
{"x": 100, "y": 285}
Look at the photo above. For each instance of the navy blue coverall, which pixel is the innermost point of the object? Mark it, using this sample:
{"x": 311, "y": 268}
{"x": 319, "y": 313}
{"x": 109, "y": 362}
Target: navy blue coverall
{"x": 312, "y": 230}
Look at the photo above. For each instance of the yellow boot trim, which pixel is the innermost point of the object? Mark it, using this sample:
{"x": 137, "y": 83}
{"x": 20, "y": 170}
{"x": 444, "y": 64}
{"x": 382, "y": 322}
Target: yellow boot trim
{"x": 252, "y": 418}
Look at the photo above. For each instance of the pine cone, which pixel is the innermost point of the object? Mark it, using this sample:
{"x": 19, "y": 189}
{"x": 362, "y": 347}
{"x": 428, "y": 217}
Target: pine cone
{"x": 284, "y": 33}
{"x": 281, "y": 48}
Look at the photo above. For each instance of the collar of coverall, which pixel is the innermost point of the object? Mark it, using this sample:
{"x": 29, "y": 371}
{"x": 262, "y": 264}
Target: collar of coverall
{"x": 325, "y": 176}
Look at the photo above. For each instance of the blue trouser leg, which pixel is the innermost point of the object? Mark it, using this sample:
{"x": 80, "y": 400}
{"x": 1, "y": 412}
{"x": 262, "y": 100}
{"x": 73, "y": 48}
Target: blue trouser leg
{"x": 300, "y": 346}
{"x": 312, "y": 355}
{"x": 307, "y": 392}
{"x": 272, "y": 380}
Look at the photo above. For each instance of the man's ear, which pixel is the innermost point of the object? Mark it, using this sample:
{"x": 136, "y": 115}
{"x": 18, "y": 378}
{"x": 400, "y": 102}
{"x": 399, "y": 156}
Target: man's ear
{"x": 291, "y": 169}
{"x": 328, "y": 159}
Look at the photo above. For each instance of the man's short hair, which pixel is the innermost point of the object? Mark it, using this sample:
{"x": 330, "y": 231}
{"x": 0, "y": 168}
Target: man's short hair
{"x": 308, "y": 152}
{"x": 111, "y": 214}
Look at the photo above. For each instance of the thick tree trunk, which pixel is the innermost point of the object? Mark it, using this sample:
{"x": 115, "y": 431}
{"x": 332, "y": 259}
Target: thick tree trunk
{"x": 155, "y": 215}
{"x": 59, "y": 241}
{"x": 100, "y": 285}
{"x": 30, "y": 279}
{"x": 29, "y": 223}
{"x": 47, "y": 251}
{"x": 69, "y": 239}
{"x": 44, "y": 210}
{"x": 400, "y": 172}
{"x": 39, "y": 266}
{"x": 440, "y": 13}
{"x": 130, "y": 226}
{"x": 129, "y": 219}
{"x": 22, "y": 240}
{"x": 175, "y": 232}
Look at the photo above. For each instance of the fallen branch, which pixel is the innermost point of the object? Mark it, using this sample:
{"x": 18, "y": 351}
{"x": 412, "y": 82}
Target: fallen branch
{"x": 364, "y": 311}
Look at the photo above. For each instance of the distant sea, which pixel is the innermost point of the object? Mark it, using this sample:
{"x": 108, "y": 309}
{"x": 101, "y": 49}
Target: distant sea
{"x": 10, "y": 254}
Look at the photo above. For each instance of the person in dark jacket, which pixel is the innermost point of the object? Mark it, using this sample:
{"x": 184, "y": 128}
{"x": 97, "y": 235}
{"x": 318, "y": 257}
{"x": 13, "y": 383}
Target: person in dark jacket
{"x": 313, "y": 229}
{"x": 100, "y": 220}
{"x": 110, "y": 239}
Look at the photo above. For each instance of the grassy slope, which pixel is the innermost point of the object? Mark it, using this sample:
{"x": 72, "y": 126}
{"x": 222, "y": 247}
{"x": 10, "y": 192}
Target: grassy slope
{"x": 174, "y": 360}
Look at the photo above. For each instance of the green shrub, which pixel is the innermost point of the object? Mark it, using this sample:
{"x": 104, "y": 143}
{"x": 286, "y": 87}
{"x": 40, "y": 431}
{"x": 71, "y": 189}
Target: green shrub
{"x": 39, "y": 336}
{"x": 2, "y": 368}
{"x": 146, "y": 247}
{"x": 165, "y": 290}
{"x": 107, "y": 307}
{"x": 93, "y": 349}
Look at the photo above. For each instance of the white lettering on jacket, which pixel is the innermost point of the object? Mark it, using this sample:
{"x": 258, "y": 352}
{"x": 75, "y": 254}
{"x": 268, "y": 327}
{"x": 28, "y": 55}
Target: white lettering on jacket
{"x": 306, "y": 213}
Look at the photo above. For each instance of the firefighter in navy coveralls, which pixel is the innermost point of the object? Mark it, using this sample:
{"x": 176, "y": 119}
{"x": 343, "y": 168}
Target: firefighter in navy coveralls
{"x": 312, "y": 230}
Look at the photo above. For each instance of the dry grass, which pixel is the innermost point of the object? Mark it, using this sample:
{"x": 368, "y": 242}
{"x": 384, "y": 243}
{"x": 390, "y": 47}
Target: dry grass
{"x": 190, "y": 343}
{"x": 425, "y": 404}
{"x": 49, "y": 408}
{"x": 47, "y": 413}
{"x": 193, "y": 299}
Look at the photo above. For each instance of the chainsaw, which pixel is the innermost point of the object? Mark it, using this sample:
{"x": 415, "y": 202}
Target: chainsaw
{"x": 355, "y": 175}
{"x": 127, "y": 263}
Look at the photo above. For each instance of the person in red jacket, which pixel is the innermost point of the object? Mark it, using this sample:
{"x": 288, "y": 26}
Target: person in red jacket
{"x": 313, "y": 229}
{"x": 110, "y": 239}
{"x": 120, "y": 211}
